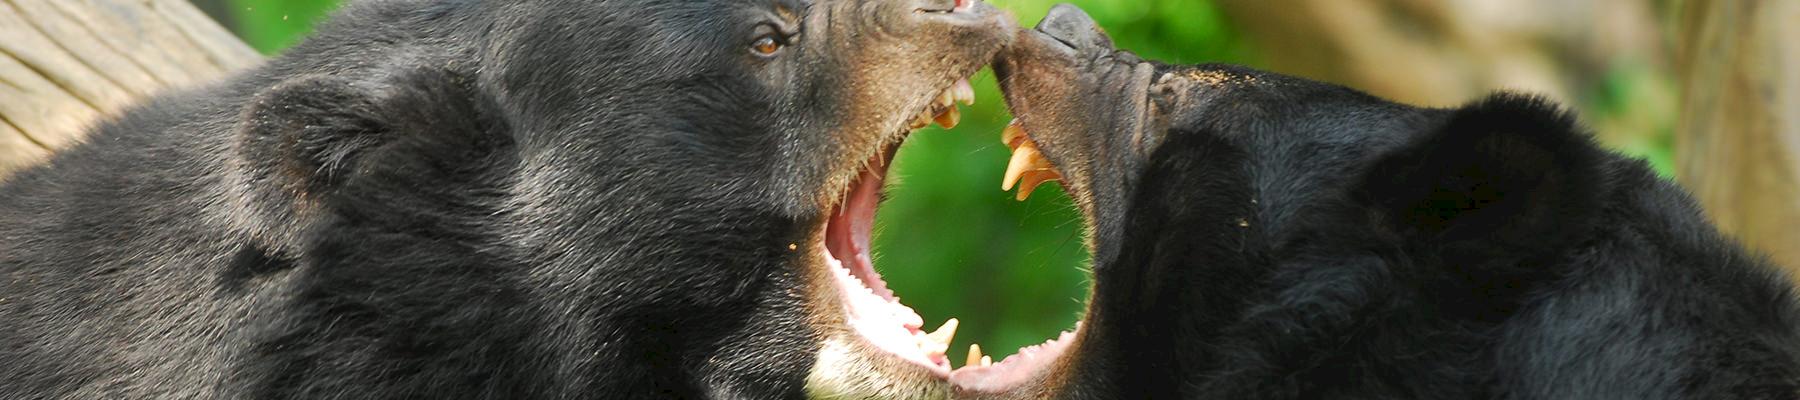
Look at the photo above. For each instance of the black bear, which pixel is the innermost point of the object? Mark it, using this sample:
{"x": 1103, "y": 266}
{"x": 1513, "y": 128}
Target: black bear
{"x": 1263, "y": 236}
{"x": 498, "y": 199}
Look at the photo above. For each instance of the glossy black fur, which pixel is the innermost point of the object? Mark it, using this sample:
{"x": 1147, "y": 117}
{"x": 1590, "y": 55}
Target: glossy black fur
{"x": 454, "y": 199}
{"x": 1291, "y": 239}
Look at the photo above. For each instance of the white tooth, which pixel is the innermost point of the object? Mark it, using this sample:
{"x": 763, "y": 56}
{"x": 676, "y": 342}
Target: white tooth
{"x": 964, "y": 92}
{"x": 929, "y": 345}
{"x": 907, "y": 317}
{"x": 974, "y": 355}
{"x": 935, "y": 348}
{"x": 949, "y": 118}
{"x": 986, "y": 361}
{"x": 944, "y": 333}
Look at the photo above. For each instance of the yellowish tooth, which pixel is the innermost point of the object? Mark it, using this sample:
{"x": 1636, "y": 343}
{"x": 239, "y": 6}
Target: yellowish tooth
{"x": 1021, "y": 161}
{"x": 946, "y": 98}
{"x": 1030, "y": 181}
{"x": 974, "y": 355}
{"x": 929, "y": 347}
{"x": 949, "y": 118}
{"x": 944, "y": 333}
{"x": 964, "y": 92}
{"x": 987, "y": 362}
{"x": 919, "y": 121}
{"x": 1027, "y": 169}
{"x": 1010, "y": 136}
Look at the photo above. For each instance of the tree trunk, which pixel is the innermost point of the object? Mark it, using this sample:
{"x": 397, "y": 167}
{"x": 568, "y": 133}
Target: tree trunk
{"x": 66, "y": 63}
{"x": 1738, "y": 145}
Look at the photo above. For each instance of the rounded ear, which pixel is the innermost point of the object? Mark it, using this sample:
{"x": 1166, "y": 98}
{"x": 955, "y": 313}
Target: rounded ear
{"x": 305, "y": 133}
{"x": 309, "y": 134}
{"x": 1509, "y": 170}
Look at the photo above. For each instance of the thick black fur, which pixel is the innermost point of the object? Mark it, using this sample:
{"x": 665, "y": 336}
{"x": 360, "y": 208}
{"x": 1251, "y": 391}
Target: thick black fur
{"x": 1497, "y": 253}
{"x": 464, "y": 199}
{"x": 1292, "y": 239}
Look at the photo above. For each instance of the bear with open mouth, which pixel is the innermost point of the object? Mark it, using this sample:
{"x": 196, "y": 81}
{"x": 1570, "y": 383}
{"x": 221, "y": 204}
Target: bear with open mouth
{"x": 499, "y": 199}
{"x": 1263, "y": 236}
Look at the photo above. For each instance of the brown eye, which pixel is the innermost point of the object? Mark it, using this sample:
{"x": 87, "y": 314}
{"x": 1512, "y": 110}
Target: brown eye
{"x": 765, "y": 46}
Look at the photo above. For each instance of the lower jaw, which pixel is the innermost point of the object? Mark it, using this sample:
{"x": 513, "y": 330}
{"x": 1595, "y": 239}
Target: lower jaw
{"x": 847, "y": 368}
{"x": 875, "y": 351}
{"x": 853, "y": 363}
{"x": 1025, "y": 370}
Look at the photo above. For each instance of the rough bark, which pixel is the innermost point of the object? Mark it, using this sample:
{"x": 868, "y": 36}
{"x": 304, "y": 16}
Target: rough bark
{"x": 67, "y": 63}
{"x": 1738, "y": 144}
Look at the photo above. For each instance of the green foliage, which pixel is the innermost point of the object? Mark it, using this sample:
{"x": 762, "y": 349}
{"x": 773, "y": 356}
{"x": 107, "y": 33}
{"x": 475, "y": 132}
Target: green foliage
{"x": 1620, "y": 96}
{"x": 270, "y": 26}
{"x": 948, "y": 240}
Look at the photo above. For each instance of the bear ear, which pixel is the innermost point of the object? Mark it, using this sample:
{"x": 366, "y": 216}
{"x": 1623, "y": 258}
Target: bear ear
{"x": 1507, "y": 170}
{"x": 306, "y": 132}
{"x": 310, "y": 133}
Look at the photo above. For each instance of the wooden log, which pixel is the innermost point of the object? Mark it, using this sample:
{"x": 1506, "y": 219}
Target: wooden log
{"x": 67, "y": 63}
{"x": 1738, "y": 142}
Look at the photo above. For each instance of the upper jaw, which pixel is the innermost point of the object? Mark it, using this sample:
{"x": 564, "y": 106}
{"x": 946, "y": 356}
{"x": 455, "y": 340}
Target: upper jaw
{"x": 1087, "y": 107}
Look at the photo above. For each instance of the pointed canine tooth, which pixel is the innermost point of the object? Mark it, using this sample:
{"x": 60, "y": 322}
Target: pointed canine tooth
{"x": 963, "y": 91}
{"x": 1027, "y": 169}
{"x": 929, "y": 347}
{"x": 944, "y": 333}
{"x": 908, "y": 318}
{"x": 986, "y": 361}
{"x": 949, "y": 118}
{"x": 1022, "y": 159}
{"x": 1030, "y": 181}
{"x": 974, "y": 355}
{"x": 1010, "y": 136}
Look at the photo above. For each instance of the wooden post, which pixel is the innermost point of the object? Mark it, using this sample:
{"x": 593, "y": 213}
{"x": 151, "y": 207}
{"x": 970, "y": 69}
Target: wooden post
{"x": 1738, "y": 142}
{"x": 67, "y": 63}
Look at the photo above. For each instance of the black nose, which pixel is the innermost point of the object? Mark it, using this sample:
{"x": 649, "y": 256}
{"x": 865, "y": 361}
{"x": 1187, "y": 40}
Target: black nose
{"x": 1068, "y": 23}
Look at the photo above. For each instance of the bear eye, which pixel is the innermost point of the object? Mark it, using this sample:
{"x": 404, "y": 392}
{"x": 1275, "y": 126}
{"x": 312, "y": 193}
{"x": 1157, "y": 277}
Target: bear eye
{"x": 765, "y": 46}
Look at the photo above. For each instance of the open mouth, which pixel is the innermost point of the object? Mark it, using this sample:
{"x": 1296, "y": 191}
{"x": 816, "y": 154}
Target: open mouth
{"x": 870, "y": 308}
{"x": 876, "y": 313}
{"x": 1026, "y": 170}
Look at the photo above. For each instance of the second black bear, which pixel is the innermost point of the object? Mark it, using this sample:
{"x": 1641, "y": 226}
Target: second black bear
{"x": 1263, "y": 236}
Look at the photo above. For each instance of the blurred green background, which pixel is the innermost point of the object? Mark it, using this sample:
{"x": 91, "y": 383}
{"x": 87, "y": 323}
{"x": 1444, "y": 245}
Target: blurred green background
{"x": 954, "y": 245}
